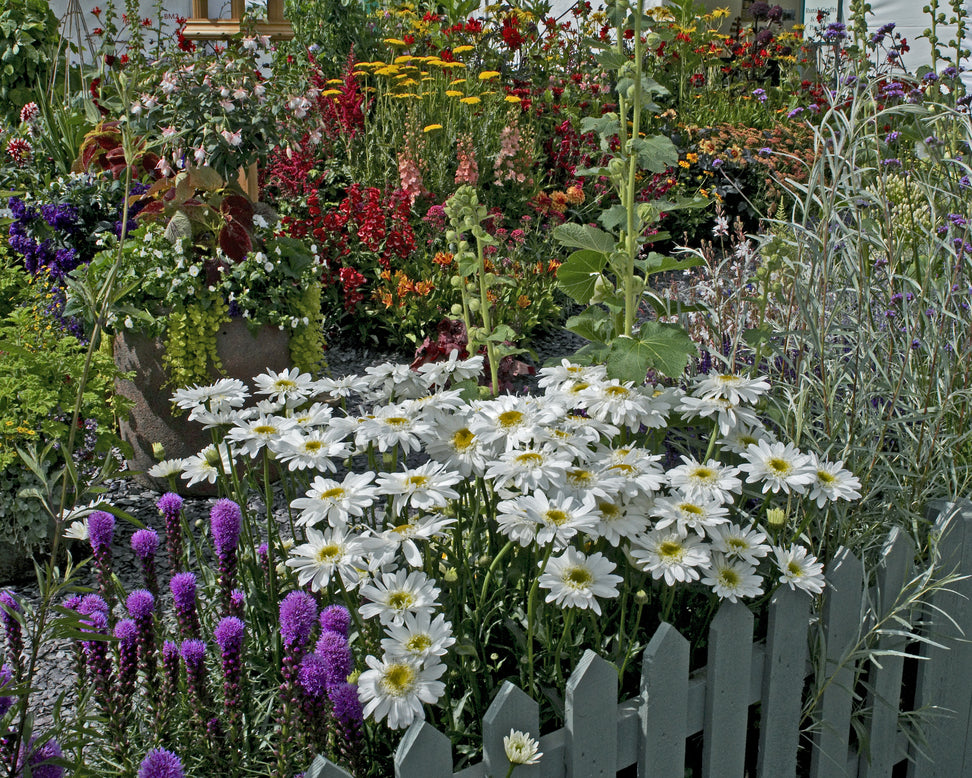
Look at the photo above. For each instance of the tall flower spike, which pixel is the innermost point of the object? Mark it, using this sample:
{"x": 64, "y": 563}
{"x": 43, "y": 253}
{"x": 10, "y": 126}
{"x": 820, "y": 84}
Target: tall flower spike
{"x": 194, "y": 655}
{"x": 226, "y": 521}
{"x": 101, "y": 530}
{"x": 141, "y": 607}
{"x": 159, "y": 763}
{"x": 170, "y": 506}
{"x": 145, "y": 544}
{"x": 183, "y": 587}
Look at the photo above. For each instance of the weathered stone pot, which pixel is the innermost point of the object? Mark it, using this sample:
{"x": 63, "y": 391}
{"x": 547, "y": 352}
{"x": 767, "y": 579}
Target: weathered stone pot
{"x": 151, "y": 420}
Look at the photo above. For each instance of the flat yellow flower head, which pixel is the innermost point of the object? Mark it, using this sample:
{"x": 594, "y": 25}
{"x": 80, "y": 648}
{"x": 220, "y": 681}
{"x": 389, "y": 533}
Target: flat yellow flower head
{"x": 470, "y": 100}
{"x": 431, "y": 127}
{"x": 488, "y": 74}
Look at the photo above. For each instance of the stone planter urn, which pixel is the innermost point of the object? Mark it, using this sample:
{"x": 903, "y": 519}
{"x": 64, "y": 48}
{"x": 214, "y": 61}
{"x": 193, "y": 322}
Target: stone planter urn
{"x": 151, "y": 419}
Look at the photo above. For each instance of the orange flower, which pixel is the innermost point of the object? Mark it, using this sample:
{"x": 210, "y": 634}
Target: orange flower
{"x": 553, "y": 265}
{"x": 443, "y": 258}
{"x": 558, "y": 202}
{"x": 575, "y": 195}
{"x": 523, "y": 301}
{"x": 386, "y": 299}
{"x": 423, "y": 288}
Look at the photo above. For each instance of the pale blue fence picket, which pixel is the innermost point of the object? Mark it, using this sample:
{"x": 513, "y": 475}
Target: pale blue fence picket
{"x": 727, "y": 691}
{"x": 897, "y": 562}
{"x": 664, "y": 708}
{"x": 841, "y": 631}
{"x": 591, "y": 715}
{"x": 602, "y": 736}
{"x": 783, "y": 676}
{"x": 944, "y": 679}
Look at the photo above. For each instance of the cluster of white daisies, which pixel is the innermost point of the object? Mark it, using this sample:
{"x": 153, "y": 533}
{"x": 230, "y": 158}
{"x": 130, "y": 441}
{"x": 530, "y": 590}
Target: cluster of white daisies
{"x": 564, "y": 469}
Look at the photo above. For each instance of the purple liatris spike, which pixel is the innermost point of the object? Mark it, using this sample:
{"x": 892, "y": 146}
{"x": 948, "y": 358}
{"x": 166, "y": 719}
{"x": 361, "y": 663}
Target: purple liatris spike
{"x": 6, "y": 679}
{"x": 145, "y": 544}
{"x": 127, "y": 634}
{"x": 346, "y": 706}
{"x": 183, "y": 586}
{"x": 141, "y": 607}
{"x": 336, "y": 618}
{"x": 298, "y": 612}
{"x": 170, "y": 506}
{"x": 313, "y": 676}
{"x": 101, "y": 529}
{"x": 229, "y": 635}
{"x": 312, "y": 679}
{"x": 336, "y": 653}
{"x": 159, "y": 763}
{"x": 90, "y": 603}
{"x": 171, "y": 667}
{"x": 98, "y": 664}
{"x": 237, "y": 603}
{"x": 10, "y": 610}
{"x": 41, "y": 758}
{"x": 225, "y": 521}
{"x": 194, "y": 655}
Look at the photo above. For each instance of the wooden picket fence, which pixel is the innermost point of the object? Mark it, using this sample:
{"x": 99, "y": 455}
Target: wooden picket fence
{"x": 602, "y": 736}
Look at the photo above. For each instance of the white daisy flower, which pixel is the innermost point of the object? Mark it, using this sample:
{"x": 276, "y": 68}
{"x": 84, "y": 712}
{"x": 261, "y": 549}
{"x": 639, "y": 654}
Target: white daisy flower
{"x": 728, "y": 415}
{"x": 528, "y": 469}
{"x": 580, "y": 482}
{"x": 642, "y": 474}
{"x": 686, "y": 514}
{"x": 742, "y": 437}
{"x": 732, "y": 578}
{"x": 167, "y": 468}
{"x": 622, "y": 404}
{"x": 734, "y": 388}
{"x": 315, "y": 450}
{"x": 337, "y": 503}
{"x": 558, "y": 377}
{"x": 558, "y": 518}
{"x": 666, "y": 553}
{"x": 326, "y": 554}
{"x": 393, "y": 382}
{"x": 618, "y": 520}
{"x": 451, "y": 369}
{"x": 316, "y": 415}
{"x": 395, "y": 689}
{"x": 833, "y": 482}
{"x": 506, "y": 422}
{"x": 251, "y": 435}
{"x": 390, "y": 426}
{"x": 226, "y": 392}
{"x": 778, "y": 466}
{"x": 455, "y": 445}
{"x": 291, "y": 386}
{"x": 396, "y": 594}
{"x": 207, "y": 465}
{"x": 575, "y": 580}
{"x": 78, "y": 530}
{"x": 341, "y": 388}
{"x": 418, "y": 638}
{"x": 748, "y": 544}
{"x": 424, "y": 528}
{"x": 709, "y": 481}
{"x": 513, "y": 522}
{"x": 799, "y": 569}
{"x": 443, "y": 404}
{"x": 424, "y": 487}
{"x": 520, "y": 748}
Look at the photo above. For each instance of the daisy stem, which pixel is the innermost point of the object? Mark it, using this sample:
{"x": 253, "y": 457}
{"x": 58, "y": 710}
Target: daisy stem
{"x": 351, "y": 606}
{"x": 568, "y": 622}
{"x": 272, "y": 538}
{"x": 489, "y": 573}
{"x": 531, "y": 608}
{"x": 712, "y": 441}
{"x": 510, "y": 770}
{"x": 629, "y": 640}
{"x": 668, "y": 599}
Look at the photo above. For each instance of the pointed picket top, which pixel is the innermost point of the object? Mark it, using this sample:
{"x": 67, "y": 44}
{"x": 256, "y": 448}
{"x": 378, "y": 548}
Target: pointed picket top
{"x": 591, "y": 714}
{"x": 727, "y": 690}
{"x": 512, "y": 708}
{"x": 323, "y": 768}
{"x": 423, "y": 752}
{"x": 842, "y": 627}
{"x": 664, "y": 705}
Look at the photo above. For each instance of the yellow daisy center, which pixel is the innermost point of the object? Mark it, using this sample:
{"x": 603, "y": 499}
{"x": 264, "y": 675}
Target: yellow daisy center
{"x": 333, "y": 494}
{"x": 577, "y": 577}
{"x": 418, "y": 643}
{"x": 417, "y": 480}
{"x": 729, "y": 577}
{"x": 509, "y": 419}
{"x": 825, "y": 478}
{"x": 264, "y": 429}
{"x": 312, "y": 445}
{"x": 396, "y": 421}
{"x": 556, "y": 516}
{"x": 703, "y": 474}
{"x": 616, "y": 391}
{"x": 462, "y": 439}
{"x": 670, "y": 550}
{"x": 687, "y": 507}
{"x": 328, "y": 553}
{"x": 779, "y": 467}
{"x": 793, "y": 567}
{"x": 529, "y": 459}
{"x": 401, "y": 600}
{"x": 399, "y": 679}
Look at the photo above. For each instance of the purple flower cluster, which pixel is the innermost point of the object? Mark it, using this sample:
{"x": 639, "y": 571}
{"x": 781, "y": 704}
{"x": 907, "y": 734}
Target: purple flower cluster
{"x": 6, "y": 679}
{"x": 298, "y": 614}
{"x": 159, "y": 763}
{"x": 145, "y": 544}
{"x": 183, "y": 587}
{"x": 141, "y": 607}
{"x": 229, "y": 635}
{"x": 193, "y": 653}
{"x": 226, "y": 521}
{"x": 127, "y": 634}
{"x": 170, "y": 506}
{"x": 41, "y": 757}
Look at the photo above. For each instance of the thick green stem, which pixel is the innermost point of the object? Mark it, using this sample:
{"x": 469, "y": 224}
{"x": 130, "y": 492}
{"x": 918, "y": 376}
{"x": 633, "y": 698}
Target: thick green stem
{"x": 531, "y": 608}
{"x": 632, "y": 232}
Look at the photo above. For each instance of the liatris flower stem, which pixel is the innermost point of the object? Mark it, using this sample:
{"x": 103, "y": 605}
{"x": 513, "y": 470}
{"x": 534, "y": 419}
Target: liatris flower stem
{"x": 298, "y": 615}
{"x": 347, "y": 712}
{"x": 170, "y": 506}
{"x": 101, "y": 530}
{"x": 229, "y": 635}
{"x": 183, "y": 587}
{"x": 225, "y": 523}
{"x": 10, "y": 611}
{"x": 193, "y": 653}
{"x": 145, "y": 544}
{"x": 127, "y": 634}
{"x": 106, "y": 693}
{"x": 171, "y": 670}
{"x": 141, "y": 607}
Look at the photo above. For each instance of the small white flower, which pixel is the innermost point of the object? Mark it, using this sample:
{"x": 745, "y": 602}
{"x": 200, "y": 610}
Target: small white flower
{"x": 731, "y": 578}
{"x": 734, "y": 388}
{"x": 575, "y": 580}
{"x": 686, "y": 514}
{"x": 833, "y": 482}
{"x": 167, "y": 468}
{"x": 419, "y": 637}
{"x": 424, "y": 487}
{"x": 396, "y": 594}
{"x": 708, "y": 481}
{"x": 288, "y": 386}
{"x": 735, "y": 541}
{"x": 666, "y": 553}
{"x": 326, "y": 554}
{"x": 779, "y": 466}
{"x": 799, "y": 569}
{"x": 520, "y": 748}
{"x": 334, "y": 502}
{"x": 78, "y": 530}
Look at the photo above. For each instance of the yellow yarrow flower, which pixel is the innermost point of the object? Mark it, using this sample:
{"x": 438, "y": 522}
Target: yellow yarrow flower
{"x": 470, "y": 100}
{"x": 462, "y": 49}
{"x": 395, "y": 42}
{"x": 457, "y": 81}
{"x": 453, "y": 93}
{"x": 330, "y": 92}
{"x": 488, "y": 74}
{"x": 431, "y": 127}
{"x": 334, "y": 81}
{"x": 512, "y": 99}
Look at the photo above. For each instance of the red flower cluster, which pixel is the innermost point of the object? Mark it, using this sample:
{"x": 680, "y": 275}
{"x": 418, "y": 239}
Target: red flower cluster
{"x": 510, "y": 32}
